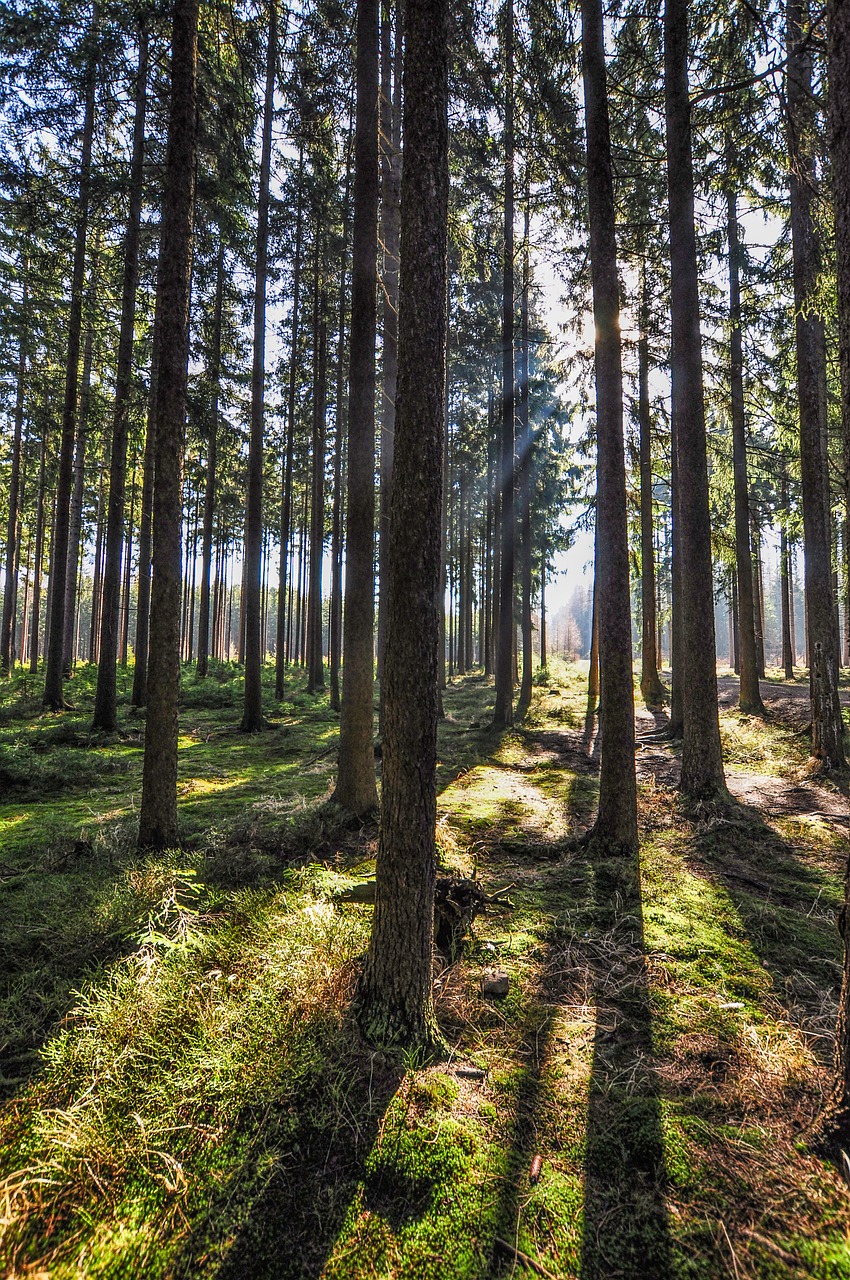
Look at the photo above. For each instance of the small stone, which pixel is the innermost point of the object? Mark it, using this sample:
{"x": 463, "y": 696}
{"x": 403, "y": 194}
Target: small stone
{"x": 470, "y": 1073}
{"x": 495, "y": 983}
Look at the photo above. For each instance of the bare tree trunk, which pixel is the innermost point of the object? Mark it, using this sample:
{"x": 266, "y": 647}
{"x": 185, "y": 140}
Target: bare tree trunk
{"x": 128, "y": 573}
{"x": 54, "y": 698}
{"x": 335, "y": 639}
{"x": 211, "y": 471}
{"x": 158, "y": 816}
{"x": 13, "y": 523}
{"x": 525, "y": 476}
{"x": 615, "y": 829}
{"x": 702, "y": 760}
{"x": 75, "y": 510}
{"x": 356, "y": 788}
{"x": 315, "y": 662}
{"x": 252, "y": 716}
{"x": 749, "y": 694}
{"x": 652, "y": 690}
{"x": 394, "y": 1002}
{"x": 503, "y": 713}
{"x": 39, "y": 557}
{"x": 143, "y": 589}
{"x": 827, "y": 726}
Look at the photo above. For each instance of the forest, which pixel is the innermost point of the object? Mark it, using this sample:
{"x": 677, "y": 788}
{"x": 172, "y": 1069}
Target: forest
{"x": 374, "y": 902}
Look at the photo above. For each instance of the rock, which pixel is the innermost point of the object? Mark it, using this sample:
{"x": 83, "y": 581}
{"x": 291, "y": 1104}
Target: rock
{"x": 495, "y": 983}
{"x": 470, "y": 1073}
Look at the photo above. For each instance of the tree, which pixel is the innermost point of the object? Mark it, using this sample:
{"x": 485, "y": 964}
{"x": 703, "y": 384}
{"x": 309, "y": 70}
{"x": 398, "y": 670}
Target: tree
{"x": 702, "y": 760}
{"x": 394, "y": 1006}
{"x": 615, "y": 828}
{"x": 158, "y": 815}
{"x": 356, "y": 789}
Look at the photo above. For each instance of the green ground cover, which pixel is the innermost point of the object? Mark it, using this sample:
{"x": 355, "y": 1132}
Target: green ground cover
{"x": 182, "y": 1093}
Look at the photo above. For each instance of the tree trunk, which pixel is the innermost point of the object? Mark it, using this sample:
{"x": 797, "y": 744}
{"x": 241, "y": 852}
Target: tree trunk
{"x": 749, "y": 694}
{"x": 652, "y": 690}
{"x": 252, "y": 716}
{"x": 13, "y": 524}
{"x": 355, "y": 787}
{"x": 39, "y": 557}
{"x": 390, "y": 190}
{"x": 128, "y": 573}
{"x": 335, "y": 639}
{"x": 827, "y": 727}
{"x": 525, "y": 477}
{"x": 503, "y": 713}
{"x": 315, "y": 663}
{"x": 615, "y": 829}
{"x": 158, "y": 816}
{"x": 284, "y": 578}
{"x": 394, "y": 1002}
{"x": 212, "y": 467}
{"x": 143, "y": 589}
{"x": 75, "y": 510}
{"x": 54, "y": 698}
{"x": 702, "y": 760}
{"x": 105, "y": 708}
{"x": 758, "y": 602}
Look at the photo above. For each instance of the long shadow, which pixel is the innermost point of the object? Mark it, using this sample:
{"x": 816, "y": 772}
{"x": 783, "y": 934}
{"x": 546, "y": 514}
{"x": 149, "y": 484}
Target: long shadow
{"x": 280, "y": 1213}
{"x": 626, "y": 1228}
{"x": 787, "y": 909}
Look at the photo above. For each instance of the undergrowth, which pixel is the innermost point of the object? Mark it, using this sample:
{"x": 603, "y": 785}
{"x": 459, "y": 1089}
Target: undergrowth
{"x": 186, "y": 1097}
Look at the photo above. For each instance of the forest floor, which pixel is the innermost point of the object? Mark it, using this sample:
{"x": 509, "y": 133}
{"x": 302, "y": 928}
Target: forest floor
{"x": 181, "y": 1090}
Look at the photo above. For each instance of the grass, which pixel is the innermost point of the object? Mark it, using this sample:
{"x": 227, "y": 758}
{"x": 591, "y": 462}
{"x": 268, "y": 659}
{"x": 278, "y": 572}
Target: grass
{"x": 184, "y": 1095}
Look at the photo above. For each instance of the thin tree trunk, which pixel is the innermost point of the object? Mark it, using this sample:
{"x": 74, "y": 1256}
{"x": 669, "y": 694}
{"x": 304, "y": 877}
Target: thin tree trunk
{"x": 211, "y": 471}
{"x": 503, "y": 713}
{"x": 128, "y": 574}
{"x": 252, "y": 716}
{"x": 54, "y": 698}
{"x": 75, "y": 511}
{"x": 335, "y": 639}
{"x": 356, "y": 788}
{"x": 525, "y": 474}
{"x": 143, "y": 589}
{"x": 702, "y": 760}
{"x": 394, "y": 1002}
{"x": 158, "y": 816}
{"x": 315, "y": 665}
{"x": 758, "y": 603}
{"x": 39, "y": 556}
{"x": 13, "y": 523}
{"x": 652, "y": 690}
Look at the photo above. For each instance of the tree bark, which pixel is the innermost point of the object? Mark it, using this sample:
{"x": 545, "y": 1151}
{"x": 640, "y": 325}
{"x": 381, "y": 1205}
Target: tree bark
{"x": 13, "y": 529}
{"x": 525, "y": 476}
{"x": 827, "y": 726}
{"x": 503, "y": 715}
{"x": 702, "y": 760}
{"x": 356, "y": 788}
{"x": 143, "y": 590}
{"x": 252, "y": 716}
{"x": 158, "y": 816}
{"x": 749, "y": 694}
{"x": 615, "y": 829}
{"x": 394, "y": 1003}
{"x": 315, "y": 662}
{"x": 211, "y": 472}
{"x": 652, "y": 690}
{"x": 54, "y": 698}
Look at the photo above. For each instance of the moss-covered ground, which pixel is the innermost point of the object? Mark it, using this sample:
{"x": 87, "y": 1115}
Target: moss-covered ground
{"x": 182, "y": 1093}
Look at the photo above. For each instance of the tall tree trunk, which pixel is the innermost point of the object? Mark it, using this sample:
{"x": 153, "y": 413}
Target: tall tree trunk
{"x": 758, "y": 601}
{"x": 838, "y": 12}
{"x": 252, "y": 716}
{"x": 394, "y": 1002}
{"x": 827, "y": 727}
{"x": 105, "y": 703}
{"x": 702, "y": 760}
{"x": 13, "y": 523}
{"x": 128, "y": 576}
{"x": 75, "y": 511}
{"x": 525, "y": 474}
{"x": 39, "y": 557}
{"x": 143, "y": 589}
{"x": 390, "y": 192}
{"x": 54, "y": 698}
{"x": 615, "y": 829}
{"x": 356, "y": 788}
{"x": 335, "y": 639}
{"x": 652, "y": 690}
{"x": 315, "y": 663}
{"x": 158, "y": 816}
{"x": 749, "y": 694}
{"x": 211, "y": 471}
{"x": 503, "y": 713}
{"x": 284, "y": 577}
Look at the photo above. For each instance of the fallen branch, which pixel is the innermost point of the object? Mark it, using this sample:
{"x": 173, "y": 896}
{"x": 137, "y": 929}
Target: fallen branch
{"x": 524, "y": 1259}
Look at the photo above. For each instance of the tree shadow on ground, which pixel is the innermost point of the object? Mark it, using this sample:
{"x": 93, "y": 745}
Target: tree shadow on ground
{"x": 280, "y": 1213}
{"x": 626, "y": 1228}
